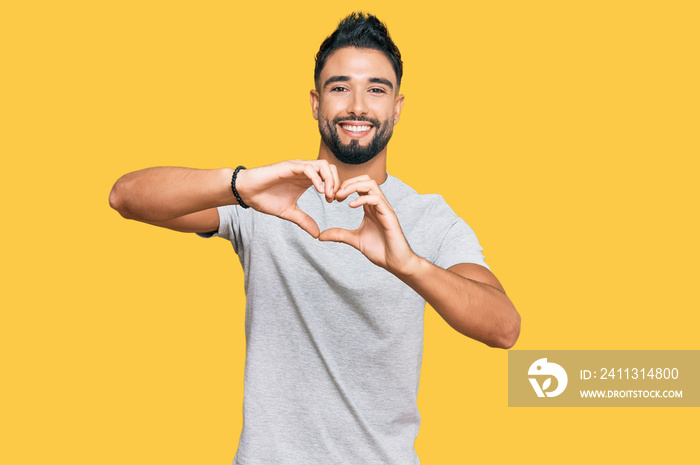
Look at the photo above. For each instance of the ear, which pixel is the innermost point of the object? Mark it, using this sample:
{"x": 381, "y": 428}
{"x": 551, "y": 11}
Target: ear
{"x": 314, "y": 103}
{"x": 398, "y": 105}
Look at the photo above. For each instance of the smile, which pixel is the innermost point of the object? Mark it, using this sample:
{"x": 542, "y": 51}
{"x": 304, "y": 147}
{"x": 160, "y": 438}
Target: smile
{"x": 355, "y": 129}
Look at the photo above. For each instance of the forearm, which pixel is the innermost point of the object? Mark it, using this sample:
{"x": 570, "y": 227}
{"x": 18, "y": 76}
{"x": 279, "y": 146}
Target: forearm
{"x": 473, "y": 308}
{"x": 164, "y": 193}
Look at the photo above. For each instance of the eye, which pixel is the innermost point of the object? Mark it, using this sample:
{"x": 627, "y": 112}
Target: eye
{"x": 377, "y": 90}
{"x": 339, "y": 89}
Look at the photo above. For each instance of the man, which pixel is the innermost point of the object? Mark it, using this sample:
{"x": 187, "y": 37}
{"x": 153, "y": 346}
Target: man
{"x": 334, "y": 333}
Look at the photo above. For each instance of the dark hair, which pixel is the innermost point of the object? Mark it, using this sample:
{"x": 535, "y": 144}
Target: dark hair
{"x": 361, "y": 30}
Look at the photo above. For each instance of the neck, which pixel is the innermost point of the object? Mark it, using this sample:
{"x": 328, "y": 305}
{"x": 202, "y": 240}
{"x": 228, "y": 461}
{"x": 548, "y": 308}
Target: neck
{"x": 375, "y": 168}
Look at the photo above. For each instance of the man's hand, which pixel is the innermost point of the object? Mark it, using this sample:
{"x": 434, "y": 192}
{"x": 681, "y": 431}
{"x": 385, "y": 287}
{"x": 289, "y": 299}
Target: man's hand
{"x": 379, "y": 236}
{"x": 275, "y": 189}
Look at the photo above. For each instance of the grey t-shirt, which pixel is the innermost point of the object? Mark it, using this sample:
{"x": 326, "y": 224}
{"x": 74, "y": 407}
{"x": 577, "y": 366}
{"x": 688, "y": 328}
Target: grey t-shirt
{"x": 334, "y": 342}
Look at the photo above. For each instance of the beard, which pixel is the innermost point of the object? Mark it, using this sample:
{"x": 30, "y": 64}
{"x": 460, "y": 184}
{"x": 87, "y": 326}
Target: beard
{"x": 353, "y": 153}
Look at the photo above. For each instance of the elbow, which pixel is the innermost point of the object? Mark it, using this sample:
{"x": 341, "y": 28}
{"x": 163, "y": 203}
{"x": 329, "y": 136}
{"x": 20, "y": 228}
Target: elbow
{"x": 117, "y": 199}
{"x": 511, "y": 332}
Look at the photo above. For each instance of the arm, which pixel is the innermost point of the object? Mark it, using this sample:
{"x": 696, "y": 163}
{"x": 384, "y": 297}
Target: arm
{"x": 185, "y": 199}
{"x": 467, "y": 296}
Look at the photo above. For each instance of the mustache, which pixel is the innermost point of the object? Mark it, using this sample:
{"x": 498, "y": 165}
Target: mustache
{"x": 375, "y": 122}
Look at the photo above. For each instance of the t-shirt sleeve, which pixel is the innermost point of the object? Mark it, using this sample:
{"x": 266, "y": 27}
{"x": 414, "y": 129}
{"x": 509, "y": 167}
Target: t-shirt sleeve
{"x": 229, "y": 224}
{"x": 458, "y": 243}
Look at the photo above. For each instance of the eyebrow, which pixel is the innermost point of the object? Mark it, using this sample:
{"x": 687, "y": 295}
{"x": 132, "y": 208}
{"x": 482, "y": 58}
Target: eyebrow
{"x": 386, "y": 82}
{"x": 333, "y": 79}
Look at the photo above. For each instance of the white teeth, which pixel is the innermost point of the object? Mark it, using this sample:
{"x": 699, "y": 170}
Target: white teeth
{"x": 353, "y": 128}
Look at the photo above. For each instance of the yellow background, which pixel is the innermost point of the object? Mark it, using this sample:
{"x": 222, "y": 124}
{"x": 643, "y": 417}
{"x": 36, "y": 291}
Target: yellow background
{"x": 565, "y": 133}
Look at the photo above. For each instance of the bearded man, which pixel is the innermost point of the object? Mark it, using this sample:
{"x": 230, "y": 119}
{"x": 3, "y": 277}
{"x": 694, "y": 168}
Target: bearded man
{"x": 334, "y": 307}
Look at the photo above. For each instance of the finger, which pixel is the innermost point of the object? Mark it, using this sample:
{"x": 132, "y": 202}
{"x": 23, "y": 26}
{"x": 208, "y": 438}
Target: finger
{"x": 380, "y": 210}
{"x": 310, "y": 172}
{"x": 380, "y": 204}
{"x": 364, "y": 177}
{"x": 371, "y": 199}
{"x": 362, "y": 187}
{"x": 336, "y": 179}
{"x": 303, "y": 168}
{"x": 324, "y": 170}
{"x": 340, "y": 235}
{"x": 304, "y": 221}
{"x": 350, "y": 186}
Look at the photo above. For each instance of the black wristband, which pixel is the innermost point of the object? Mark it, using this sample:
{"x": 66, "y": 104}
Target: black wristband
{"x": 233, "y": 186}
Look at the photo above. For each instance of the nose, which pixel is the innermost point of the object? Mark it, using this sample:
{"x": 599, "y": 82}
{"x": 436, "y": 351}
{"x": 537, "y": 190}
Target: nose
{"x": 357, "y": 105}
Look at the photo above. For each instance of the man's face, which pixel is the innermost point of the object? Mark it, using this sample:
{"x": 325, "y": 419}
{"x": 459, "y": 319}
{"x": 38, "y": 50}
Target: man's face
{"x": 357, "y": 104}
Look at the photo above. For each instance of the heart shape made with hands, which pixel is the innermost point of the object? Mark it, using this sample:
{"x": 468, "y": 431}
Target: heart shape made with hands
{"x": 335, "y": 216}
{"x": 369, "y": 196}
{"x": 276, "y": 189}
{"x": 378, "y": 236}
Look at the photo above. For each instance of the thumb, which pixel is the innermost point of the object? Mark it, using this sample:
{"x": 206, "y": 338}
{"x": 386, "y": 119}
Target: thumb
{"x": 304, "y": 221}
{"x": 339, "y": 235}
